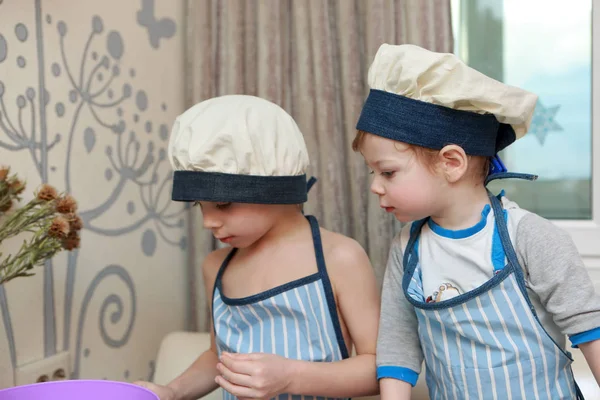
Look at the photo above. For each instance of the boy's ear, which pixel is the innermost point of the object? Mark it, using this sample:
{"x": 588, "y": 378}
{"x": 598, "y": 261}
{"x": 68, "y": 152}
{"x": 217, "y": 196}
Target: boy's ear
{"x": 453, "y": 162}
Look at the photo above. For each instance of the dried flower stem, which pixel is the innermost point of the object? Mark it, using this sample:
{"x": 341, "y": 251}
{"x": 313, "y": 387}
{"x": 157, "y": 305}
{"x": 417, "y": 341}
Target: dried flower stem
{"x": 33, "y": 252}
{"x": 26, "y": 218}
{"x": 50, "y": 218}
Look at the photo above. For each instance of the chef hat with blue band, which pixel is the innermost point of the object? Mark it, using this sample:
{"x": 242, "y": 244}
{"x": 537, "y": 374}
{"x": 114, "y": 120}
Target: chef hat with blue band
{"x": 241, "y": 149}
{"x": 433, "y": 99}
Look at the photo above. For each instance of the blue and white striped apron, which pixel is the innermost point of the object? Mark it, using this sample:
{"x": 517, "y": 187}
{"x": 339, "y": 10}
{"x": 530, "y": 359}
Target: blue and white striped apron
{"x": 487, "y": 343}
{"x": 296, "y": 320}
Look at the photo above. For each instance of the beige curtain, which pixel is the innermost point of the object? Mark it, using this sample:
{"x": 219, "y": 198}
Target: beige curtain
{"x": 311, "y": 57}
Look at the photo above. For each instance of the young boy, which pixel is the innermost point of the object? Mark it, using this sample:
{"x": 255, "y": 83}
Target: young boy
{"x": 482, "y": 291}
{"x": 289, "y": 300}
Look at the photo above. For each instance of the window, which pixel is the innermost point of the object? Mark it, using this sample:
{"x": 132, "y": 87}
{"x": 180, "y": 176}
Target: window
{"x": 547, "y": 47}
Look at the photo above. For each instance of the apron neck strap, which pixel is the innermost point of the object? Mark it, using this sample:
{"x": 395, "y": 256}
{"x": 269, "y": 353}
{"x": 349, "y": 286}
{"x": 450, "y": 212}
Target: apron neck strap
{"x": 498, "y": 171}
{"x": 310, "y": 183}
{"x": 507, "y": 246}
{"x": 509, "y": 250}
{"x": 410, "y": 250}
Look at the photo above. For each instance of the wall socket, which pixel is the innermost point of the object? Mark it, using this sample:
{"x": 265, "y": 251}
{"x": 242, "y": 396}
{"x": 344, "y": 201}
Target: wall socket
{"x": 54, "y": 368}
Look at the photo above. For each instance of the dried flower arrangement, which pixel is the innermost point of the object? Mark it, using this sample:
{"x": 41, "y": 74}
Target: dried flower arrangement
{"x": 49, "y": 217}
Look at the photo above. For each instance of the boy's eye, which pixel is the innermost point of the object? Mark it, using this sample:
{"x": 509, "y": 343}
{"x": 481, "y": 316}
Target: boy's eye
{"x": 221, "y": 206}
{"x": 387, "y": 174}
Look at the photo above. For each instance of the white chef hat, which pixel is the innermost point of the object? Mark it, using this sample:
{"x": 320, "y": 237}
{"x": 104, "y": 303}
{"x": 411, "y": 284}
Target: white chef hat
{"x": 238, "y": 148}
{"x": 433, "y": 99}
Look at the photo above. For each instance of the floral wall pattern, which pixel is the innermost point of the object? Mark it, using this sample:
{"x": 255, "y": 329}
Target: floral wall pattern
{"x": 88, "y": 92}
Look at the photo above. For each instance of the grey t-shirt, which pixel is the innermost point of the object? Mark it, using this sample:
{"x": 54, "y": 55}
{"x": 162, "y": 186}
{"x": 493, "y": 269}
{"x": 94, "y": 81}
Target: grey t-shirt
{"x": 557, "y": 281}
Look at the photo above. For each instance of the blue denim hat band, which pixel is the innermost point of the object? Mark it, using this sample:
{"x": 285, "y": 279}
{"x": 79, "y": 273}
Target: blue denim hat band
{"x": 433, "y": 126}
{"x": 219, "y": 187}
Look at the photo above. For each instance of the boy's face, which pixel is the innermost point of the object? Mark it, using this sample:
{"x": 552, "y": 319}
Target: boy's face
{"x": 405, "y": 185}
{"x": 237, "y": 224}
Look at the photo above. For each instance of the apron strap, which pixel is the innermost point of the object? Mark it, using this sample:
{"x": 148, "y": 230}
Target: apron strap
{"x": 498, "y": 171}
{"x": 310, "y": 183}
{"x": 318, "y": 246}
{"x": 510, "y": 175}
{"x": 327, "y": 286}
{"x": 411, "y": 257}
{"x": 509, "y": 250}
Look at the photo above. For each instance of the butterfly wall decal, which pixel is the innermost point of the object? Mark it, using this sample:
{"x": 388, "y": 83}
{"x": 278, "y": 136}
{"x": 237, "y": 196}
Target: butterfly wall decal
{"x": 158, "y": 29}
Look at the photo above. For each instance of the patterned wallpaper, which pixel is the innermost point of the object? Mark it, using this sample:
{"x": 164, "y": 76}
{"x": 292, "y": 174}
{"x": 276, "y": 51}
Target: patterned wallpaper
{"x": 88, "y": 92}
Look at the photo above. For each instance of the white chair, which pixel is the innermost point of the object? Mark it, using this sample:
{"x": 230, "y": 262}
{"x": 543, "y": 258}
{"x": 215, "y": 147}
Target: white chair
{"x": 179, "y": 349}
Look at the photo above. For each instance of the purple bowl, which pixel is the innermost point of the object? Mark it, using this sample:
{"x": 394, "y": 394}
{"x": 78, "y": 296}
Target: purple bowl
{"x": 78, "y": 389}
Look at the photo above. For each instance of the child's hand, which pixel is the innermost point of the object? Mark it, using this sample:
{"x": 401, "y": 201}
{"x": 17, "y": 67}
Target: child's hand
{"x": 254, "y": 376}
{"x": 163, "y": 392}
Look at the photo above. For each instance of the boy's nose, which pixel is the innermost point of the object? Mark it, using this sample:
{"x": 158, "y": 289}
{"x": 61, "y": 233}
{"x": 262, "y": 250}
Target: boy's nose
{"x": 210, "y": 222}
{"x": 377, "y": 188}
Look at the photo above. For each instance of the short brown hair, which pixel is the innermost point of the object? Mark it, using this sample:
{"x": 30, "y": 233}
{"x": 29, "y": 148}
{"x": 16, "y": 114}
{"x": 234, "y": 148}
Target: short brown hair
{"x": 358, "y": 139}
{"x": 427, "y": 156}
{"x": 480, "y": 164}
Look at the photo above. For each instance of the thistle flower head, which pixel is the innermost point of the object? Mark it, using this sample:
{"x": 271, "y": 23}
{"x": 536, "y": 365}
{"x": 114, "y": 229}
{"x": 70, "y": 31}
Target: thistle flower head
{"x": 47, "y": 193}
{"x": 4, "y": 171}
{"x": 66, "y": 205}
{"x": 75, "y": 222}
{"x": 16, "y": 186}
{"x": 6, "y": 205}
{"x": 72, "y": 241}
{"x": 59, "y": 228}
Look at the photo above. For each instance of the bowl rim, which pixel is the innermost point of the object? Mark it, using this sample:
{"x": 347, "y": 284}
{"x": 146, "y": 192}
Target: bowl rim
{"x": 78, "y": 381}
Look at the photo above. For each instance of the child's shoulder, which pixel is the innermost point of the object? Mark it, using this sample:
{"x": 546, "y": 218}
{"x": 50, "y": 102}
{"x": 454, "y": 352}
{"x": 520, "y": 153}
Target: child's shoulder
{"x": 527, "y": 224}
{"x": 533, "y": 234}
{"x": 348, "y": 267}
{"x": 212, "y": 263}
{"x": 343, "y": 253}
{"x": 534, "y": 231}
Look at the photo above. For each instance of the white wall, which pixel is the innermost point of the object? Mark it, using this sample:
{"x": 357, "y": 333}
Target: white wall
{"x": 111, "y": 302}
